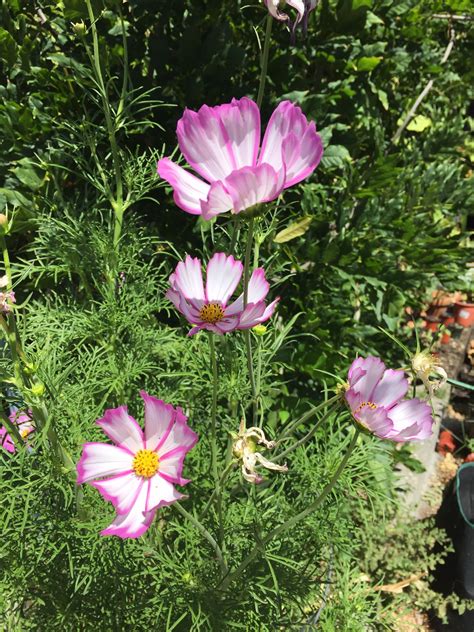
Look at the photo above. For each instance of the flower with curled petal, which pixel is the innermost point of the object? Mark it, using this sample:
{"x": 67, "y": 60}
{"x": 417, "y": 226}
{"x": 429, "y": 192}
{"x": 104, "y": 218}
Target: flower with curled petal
{"x": 303, "y": 9}
{"x": 222, "y": 145}
{"x": 425, "y": 365}
{"x": 375, "y": 398}
{"x": 139, "y": 472}
{"x": 245, "y": 450}
{"x": 208, "y": 307}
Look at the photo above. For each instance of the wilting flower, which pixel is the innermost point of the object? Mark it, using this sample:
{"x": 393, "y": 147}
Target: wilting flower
{"x": 303, "y": 9}
{"x": 139, "y": 472}
{"x": 245, "y": 449}
{"x": 25, "y": 426}
{"x": 222, "y": 145}
{"x": 375, "y": 397}
{"x": 207, "y": 308}
{"x": 425, "y": 364}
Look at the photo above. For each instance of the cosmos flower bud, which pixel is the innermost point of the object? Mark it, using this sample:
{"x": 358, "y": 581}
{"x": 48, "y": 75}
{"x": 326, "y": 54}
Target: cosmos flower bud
{"x": 3, "y": 224}
{"x": 79, "y": 28}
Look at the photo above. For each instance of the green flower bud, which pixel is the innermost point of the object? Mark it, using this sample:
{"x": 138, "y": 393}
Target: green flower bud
{"x": 79, "y": 28}
{"x": 38, "y": 390}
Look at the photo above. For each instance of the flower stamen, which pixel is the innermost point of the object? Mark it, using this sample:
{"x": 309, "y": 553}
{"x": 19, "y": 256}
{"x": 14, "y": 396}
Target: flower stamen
{"x": 146, "y": 463}
{"x": 362, "y": 405}
{"x": 211, "y": 313}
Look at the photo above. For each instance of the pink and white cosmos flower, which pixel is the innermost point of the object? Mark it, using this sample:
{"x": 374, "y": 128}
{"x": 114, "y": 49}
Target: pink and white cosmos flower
{"x": 138, "y": 473}
{"x": 24, "y": 422}
{"x": 375, "y": 396}
{"x": 208, "y": 308}
{"x": 222, "y": 143}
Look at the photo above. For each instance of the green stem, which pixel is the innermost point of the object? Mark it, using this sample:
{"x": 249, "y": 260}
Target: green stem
{"x": 264, "y": 60}
{"x": 469, "y": 387}
{"x": 248, "y": 254}
{"x": 295, "y": 519}
{"x": 307, "y": 436}
{"x": 215, "y": 470}
{"x": 222, "y": 479}
{"x": 289, "y": 429}
{"x": 202, "y": 529}
{"x": 247, "y": 334}
{"x": 117, "y": 203}
{"x": 12, "y": 429}
{"x": 235, "y": 232}
{"x": 23, "y": 381}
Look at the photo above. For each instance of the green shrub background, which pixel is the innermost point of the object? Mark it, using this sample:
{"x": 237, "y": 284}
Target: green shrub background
{"x": 388, "y": 224}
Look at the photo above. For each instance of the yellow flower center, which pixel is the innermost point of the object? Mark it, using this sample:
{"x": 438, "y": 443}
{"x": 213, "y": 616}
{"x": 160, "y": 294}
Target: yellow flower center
{"x": 211, "y": 313}
{"x": 146, "y": 463}
{"x": 362, "y": 405}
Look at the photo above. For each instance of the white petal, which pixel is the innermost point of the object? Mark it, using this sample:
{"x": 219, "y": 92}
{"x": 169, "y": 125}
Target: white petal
{"x": 223, "y": 276}
{"x": 134, "y": 523}
{"x": 204, "y": 143}
{"x": 121, "y": 490}
{"x": 119, "y": 426}
{"x": 160, "y": 493}
{"x": 189, "y": 191}
{"x": 102, "y": 459}
{"x": 188, "y": 279}
{"x": 159, "y": 418}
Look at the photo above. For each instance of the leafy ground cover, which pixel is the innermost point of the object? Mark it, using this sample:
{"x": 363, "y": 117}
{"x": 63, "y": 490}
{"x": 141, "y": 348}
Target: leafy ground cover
{"x": 91, "y": 94}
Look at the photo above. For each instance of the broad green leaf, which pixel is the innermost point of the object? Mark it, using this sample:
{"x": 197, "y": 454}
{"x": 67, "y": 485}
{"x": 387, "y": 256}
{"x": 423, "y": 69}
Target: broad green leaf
{"x": 419, "y": 123}
{"x": 293, "y": 230}
{"x": 27, "y": 175}
{"x": 383, "y": 98}
{"x": 8, "y": 47}
{"x": 367, "y": 64}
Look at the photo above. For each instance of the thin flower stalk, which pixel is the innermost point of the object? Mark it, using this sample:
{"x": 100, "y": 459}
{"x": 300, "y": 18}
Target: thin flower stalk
{"x": 315, "y": 409}
{"x": 31, "y": 389}
{"x": 202, "y": 529}
{"x": 116, "y": 199}
{"x": 214, "y": 447}
{"x": 247, "y": 334}
{"x": 248, "y": 251}
{"x": 231, "y": 577}
{"x": 309, "y": 435}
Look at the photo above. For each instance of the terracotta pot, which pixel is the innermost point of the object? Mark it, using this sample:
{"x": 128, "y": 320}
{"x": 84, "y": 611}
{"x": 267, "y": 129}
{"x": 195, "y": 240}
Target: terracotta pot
{"x": 446, "y": 442}
{"x": 447, "y": 319}
{"x": 446, "y": 338}
{"x": 431, "y": 323}
{"x": 464, "y": 314}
